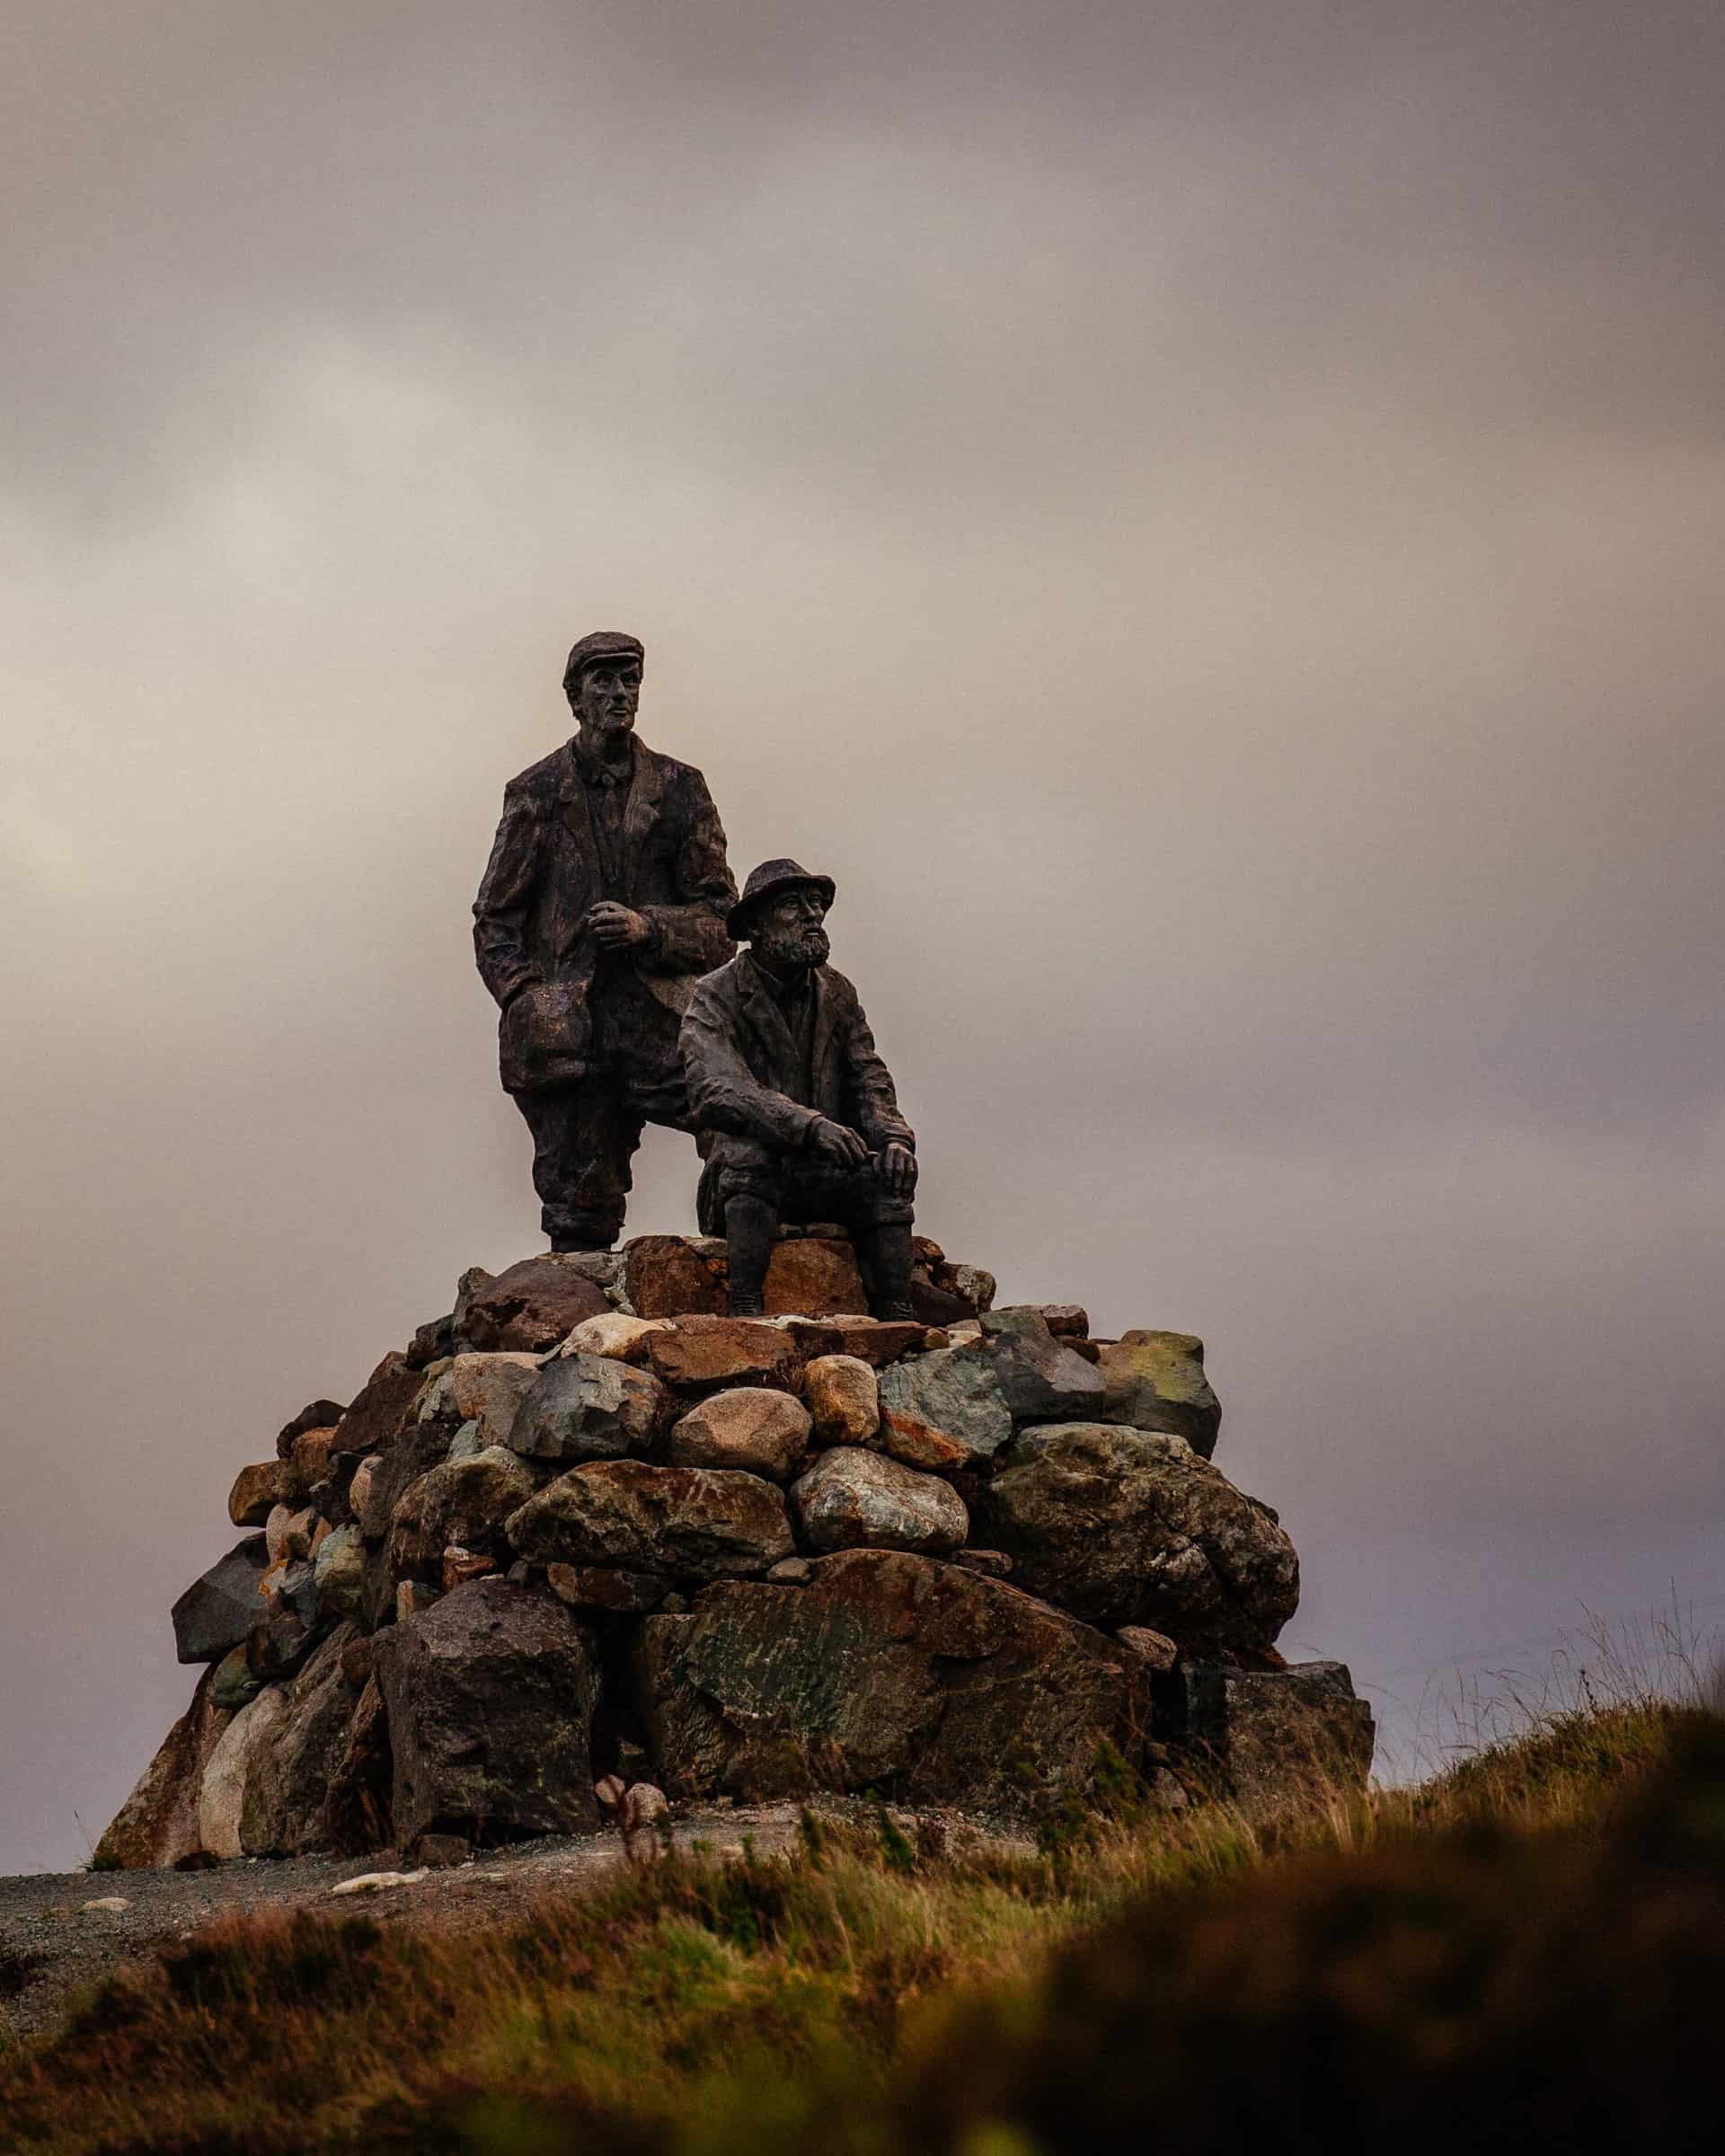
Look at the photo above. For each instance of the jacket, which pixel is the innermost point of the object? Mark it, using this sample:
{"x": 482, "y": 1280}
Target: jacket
{"x": 534, "y": 953}
{"x": 744, "y": 1070}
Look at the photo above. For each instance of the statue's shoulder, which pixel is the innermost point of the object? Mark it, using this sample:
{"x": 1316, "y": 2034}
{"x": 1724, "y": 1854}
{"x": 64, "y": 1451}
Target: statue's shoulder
{"x": 724, "y": 982}
{"x": 671, "y": 771}
{"x": 542, "y": 781}
{"x": 839, "y": 988}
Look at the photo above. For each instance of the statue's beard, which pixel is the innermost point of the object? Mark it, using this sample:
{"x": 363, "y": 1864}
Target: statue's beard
{"x": 792, "y": 949}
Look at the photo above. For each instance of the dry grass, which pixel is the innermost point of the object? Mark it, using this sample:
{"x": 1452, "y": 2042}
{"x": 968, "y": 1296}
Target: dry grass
{"x": 866, "y": 1995}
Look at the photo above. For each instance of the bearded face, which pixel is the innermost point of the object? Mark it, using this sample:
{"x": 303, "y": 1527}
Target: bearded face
{"x": 787, "y": 933}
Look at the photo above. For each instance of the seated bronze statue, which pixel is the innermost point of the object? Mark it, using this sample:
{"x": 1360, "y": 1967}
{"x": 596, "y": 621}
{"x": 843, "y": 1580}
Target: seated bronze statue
{"x": 793, "y": 1110}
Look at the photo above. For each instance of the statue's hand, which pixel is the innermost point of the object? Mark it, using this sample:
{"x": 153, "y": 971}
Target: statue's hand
{"x": 899, "y": 1169}
{"x": 618, "y": 927}
{"x": 837, "y": 1145}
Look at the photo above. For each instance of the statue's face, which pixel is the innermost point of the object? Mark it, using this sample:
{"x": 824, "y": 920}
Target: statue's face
{"x": 605, "y": 698}
{"x": 788, "y": 933}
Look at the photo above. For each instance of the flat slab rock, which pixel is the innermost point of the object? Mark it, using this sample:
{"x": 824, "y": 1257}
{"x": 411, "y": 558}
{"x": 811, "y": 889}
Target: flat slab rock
{"x": 886, "y": 1671}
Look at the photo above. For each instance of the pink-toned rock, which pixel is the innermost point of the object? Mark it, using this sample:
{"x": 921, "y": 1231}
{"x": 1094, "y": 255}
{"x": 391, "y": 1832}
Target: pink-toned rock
{"x": 751, "y": 1426}
{"x": 814, "y": 1277}
{"x": 664, "y": 1277}
{"x": 531, "y": 1305}
{"x": 705, "y": 1353}
{"x": 873, "y": 1340}
{"x": 619, "y": 1338}
{"x": 460, "y": 1564}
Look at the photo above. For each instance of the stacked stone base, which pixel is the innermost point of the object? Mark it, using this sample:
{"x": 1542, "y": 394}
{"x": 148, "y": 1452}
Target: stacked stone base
{"x": 585, "y": 1525}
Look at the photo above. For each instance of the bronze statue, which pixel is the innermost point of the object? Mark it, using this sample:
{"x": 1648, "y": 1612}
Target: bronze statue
{"x": 796, "y": 1113}
{"x": 604, "y": 900}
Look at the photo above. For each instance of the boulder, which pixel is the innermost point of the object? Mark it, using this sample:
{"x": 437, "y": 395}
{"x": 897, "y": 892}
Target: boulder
{"x": 319, "y": 1415}
{"x": 664, "y": 1277}
{"x": 460, "y": 1565}
{"x": 485, "y": 1389}
{"x": 355, "y": 1806}
{"x": 876, "y": 1341}
{"x": 945, "y": 1409}
{"x": 689, "y": 1523}
{"x": 765, "y": 1432}
{"x": 588, "y": 1407}
{"x": 1041, "y": 1378}
{"x": 462, "y": 1501}
{"x": 884, "y": 1672}
{"x": 531, "y": 1306}
{"x": 704, "y": 1353}
{"x": 234, "y": 1684}
{"x": 1153, "y": 1648}
{"x": 623, "y": 1338}
{"x": 221, "y": 1796}
{"x": 338, "y": 1571}
{"x": 843, "y": 1396}
{"x": 490, "y": 1698}
{"x": 1156, "y": 1381}
{"x": 157, "y": 1824}
{"x": 1127, "y": 1526}
{"x": 603, "y": 1587}
{"x": 1277, "y": 1737}
{"x": 380, "y": 1408}
{"x": 258, "y": 1491}
{"x": 971, "y": 1284}
{"x": 217, "y": 1611}
{"x": 290, "y": 1768}
{"x": 814, "y": 1277}
{"x": 852, "y": 1499}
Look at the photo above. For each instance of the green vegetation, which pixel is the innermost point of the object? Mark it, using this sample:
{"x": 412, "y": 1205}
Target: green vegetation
{"x": 1526, "y": 1953}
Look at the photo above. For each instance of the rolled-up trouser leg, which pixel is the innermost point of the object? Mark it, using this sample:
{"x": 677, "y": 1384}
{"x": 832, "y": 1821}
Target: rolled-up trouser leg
{"x": 584, "y": 1137}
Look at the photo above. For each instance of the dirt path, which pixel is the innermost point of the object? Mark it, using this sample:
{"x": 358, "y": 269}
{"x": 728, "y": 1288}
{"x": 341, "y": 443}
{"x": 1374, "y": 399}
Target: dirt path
{"x": 55, "y": 1936}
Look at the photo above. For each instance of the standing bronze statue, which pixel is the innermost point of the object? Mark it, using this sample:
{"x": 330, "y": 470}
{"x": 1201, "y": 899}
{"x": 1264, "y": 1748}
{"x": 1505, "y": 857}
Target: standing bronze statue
{"x": 605, "y": 899}
{"x": 797, "y": 1114}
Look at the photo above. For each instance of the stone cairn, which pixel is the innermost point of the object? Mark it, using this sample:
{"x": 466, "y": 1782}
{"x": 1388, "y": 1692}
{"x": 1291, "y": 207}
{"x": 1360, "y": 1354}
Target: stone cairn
{"x": 588, "y": 1532}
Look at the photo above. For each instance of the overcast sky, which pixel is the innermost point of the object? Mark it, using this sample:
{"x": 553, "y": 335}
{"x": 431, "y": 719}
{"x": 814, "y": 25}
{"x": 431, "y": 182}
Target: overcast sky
{"x": 1208, "y": 520}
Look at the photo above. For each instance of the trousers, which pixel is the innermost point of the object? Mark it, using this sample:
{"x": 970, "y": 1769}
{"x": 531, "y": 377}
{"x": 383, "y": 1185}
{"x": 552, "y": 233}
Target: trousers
{"x": 585, "y": 1135}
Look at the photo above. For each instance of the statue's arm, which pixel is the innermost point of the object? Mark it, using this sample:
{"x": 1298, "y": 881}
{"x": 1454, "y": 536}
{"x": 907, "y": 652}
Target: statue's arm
{"x": 505, "y": 895}
{"x": 724, "y": 1093}
{"x": 871, "y": 1089}
{"x": 689, "y": 937}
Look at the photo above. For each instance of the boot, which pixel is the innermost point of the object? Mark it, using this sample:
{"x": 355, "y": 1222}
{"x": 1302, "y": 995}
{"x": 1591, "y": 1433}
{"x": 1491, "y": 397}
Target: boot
{"x": 884, "y": 1255}
{"x": 751, "y": 1229}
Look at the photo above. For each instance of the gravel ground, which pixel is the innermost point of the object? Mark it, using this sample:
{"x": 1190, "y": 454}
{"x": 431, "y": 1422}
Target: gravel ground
{"x": 56, "y": 1938}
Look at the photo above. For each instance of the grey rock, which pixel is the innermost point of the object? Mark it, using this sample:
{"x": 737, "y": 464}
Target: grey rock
{"x": 490, "y": 1698}
{"x": 290, "y": 1769}
{"x": 217, "y": 1611}
{"x": 1156, "y": 1381}
{"x": 1127, "y": 1526}
{"x": 460, "y": 1501}
{"x": 886, "y": 1672}
{"x": 1277, "y": 1737}
{"x": 589, "y": 1407}
{"x": 953, "y": 1395}
{"x": 1042, "y": 1380}
{"x": 853, "y": 1500}
{"x": 338, "y": 1571}
{"x": 688, "y": 1523}
{"x": 233, "y": 1684}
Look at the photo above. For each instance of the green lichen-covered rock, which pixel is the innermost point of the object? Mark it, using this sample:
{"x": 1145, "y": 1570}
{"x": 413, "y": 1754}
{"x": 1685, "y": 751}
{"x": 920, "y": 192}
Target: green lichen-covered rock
{"x": 1156, "y": 1381}
{"x": 1129, "y": 1526}
{"x": 882, "y": 1671}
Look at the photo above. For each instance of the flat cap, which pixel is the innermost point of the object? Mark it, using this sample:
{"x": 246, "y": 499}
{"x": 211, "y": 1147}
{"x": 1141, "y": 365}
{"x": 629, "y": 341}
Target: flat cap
{"x": 603, "y": 645}
{"x": 763, "y": 882}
